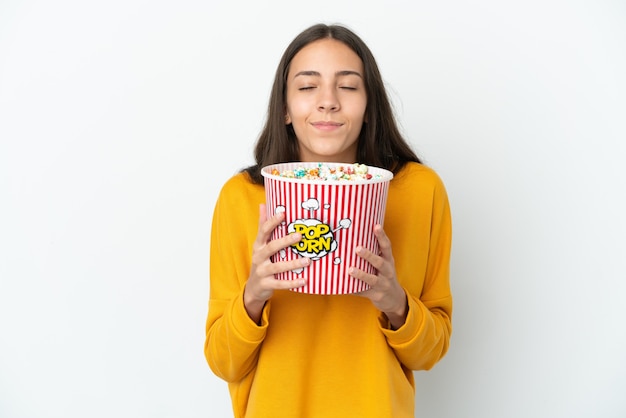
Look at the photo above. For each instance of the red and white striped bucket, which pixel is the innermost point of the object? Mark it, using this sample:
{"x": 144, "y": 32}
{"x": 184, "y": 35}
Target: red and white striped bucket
{"x": 334, "y": 216}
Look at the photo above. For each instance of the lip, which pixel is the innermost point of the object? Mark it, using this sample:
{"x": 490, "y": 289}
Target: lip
{"x": 326, "y": 125}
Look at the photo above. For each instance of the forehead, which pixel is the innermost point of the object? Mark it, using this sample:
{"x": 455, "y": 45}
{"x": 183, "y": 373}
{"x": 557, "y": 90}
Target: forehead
{"x": 326, "y": 55}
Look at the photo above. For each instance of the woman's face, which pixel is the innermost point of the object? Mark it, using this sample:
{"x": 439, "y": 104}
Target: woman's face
{"x": 326, "y": 101}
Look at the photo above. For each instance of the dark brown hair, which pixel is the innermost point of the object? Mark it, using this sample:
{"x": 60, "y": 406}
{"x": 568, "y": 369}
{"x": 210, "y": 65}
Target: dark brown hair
{"x": 380, "y": 142}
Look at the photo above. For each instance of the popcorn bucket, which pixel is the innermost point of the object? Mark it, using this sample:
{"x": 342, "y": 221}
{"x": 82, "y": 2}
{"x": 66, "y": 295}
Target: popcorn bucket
{"x": 333, "y": 216}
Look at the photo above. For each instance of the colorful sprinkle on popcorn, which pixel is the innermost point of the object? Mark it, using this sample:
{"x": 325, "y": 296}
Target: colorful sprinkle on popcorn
{"x": 324, "y": 172}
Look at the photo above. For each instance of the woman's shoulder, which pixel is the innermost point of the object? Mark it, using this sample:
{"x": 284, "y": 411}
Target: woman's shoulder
{"x": 238, "y": 182}
{"x": 239, "y": 179}
{"x": 417, "y": 174}
{"x": 239, "y": 185}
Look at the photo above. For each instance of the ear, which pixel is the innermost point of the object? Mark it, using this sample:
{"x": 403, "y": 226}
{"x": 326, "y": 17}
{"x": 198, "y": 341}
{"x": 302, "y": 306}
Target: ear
{"x": 287, "y": 119}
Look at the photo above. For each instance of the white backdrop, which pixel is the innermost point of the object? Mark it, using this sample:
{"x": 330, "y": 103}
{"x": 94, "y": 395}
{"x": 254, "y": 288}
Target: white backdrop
{"x": 120, "y": 120}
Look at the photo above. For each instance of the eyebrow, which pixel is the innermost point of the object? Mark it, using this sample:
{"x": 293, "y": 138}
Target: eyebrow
{"x": 317, "y": 74}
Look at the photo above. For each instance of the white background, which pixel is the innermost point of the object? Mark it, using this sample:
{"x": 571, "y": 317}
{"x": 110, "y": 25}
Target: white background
{"x": 120, "y": 121}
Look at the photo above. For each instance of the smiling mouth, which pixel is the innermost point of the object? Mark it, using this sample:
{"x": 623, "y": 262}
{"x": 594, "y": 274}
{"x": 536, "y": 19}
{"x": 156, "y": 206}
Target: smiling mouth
{"x": 326, "y": 125}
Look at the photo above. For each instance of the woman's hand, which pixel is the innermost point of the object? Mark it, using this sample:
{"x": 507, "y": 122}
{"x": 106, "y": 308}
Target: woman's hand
{"x": 385, "y": 291}
{"x": 261, "y": 283}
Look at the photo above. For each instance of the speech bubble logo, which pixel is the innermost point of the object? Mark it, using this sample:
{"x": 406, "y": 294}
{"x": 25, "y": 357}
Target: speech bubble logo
{"x": 317, "y": 238}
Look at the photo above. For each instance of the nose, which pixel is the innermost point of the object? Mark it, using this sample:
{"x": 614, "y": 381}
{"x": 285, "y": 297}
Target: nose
{"x": 328, "y": 100}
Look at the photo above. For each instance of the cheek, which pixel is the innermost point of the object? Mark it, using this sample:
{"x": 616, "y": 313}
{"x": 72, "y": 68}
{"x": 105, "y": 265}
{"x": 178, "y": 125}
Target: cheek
{"x": 359, "y": 114}
{"x": 357, "y": 108}
{"x": 297, "y": 110}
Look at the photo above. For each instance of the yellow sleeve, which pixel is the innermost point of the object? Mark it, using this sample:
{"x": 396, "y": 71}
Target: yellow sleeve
{"x": 423, "y": 268}
{"x": 232, "y": 338}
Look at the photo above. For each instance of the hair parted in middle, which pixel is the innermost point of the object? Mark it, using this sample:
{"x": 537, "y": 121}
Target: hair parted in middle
{"x": 380, "y": 142}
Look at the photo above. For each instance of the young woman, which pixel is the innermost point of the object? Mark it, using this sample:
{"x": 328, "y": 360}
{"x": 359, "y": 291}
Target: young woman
{"x": 290, "y": 354}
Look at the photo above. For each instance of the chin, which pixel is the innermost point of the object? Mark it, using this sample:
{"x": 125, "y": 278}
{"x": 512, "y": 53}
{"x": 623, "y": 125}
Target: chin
{"x": 334, "y": 156}
{"x": 330, "y": 158}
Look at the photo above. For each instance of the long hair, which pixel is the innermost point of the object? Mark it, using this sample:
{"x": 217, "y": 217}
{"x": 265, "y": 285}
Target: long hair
{"x": 380, "y": 142}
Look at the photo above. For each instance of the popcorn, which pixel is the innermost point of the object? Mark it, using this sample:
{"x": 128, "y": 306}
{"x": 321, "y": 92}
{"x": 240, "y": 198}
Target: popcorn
{"x": 324, "y": 172}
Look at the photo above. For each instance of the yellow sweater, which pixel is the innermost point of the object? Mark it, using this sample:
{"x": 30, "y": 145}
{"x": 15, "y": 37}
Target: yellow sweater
{"x": 330, "y": 356}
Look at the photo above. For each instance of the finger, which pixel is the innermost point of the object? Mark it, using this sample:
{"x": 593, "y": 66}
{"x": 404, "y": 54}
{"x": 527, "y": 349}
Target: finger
{"x": 262, "y": 213}
{"x": 266, "y": 226}
{"x": 384, "y": 243}
{"x": 261, "y": 236}
{"x": 369, "y": 279}
{"x": 271, "y": 269}
{"x": 384, "y": 266}
{"x": 288, "y": 284}
{"x": 375, "y": 260}
{"x": 288, "y": 240}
